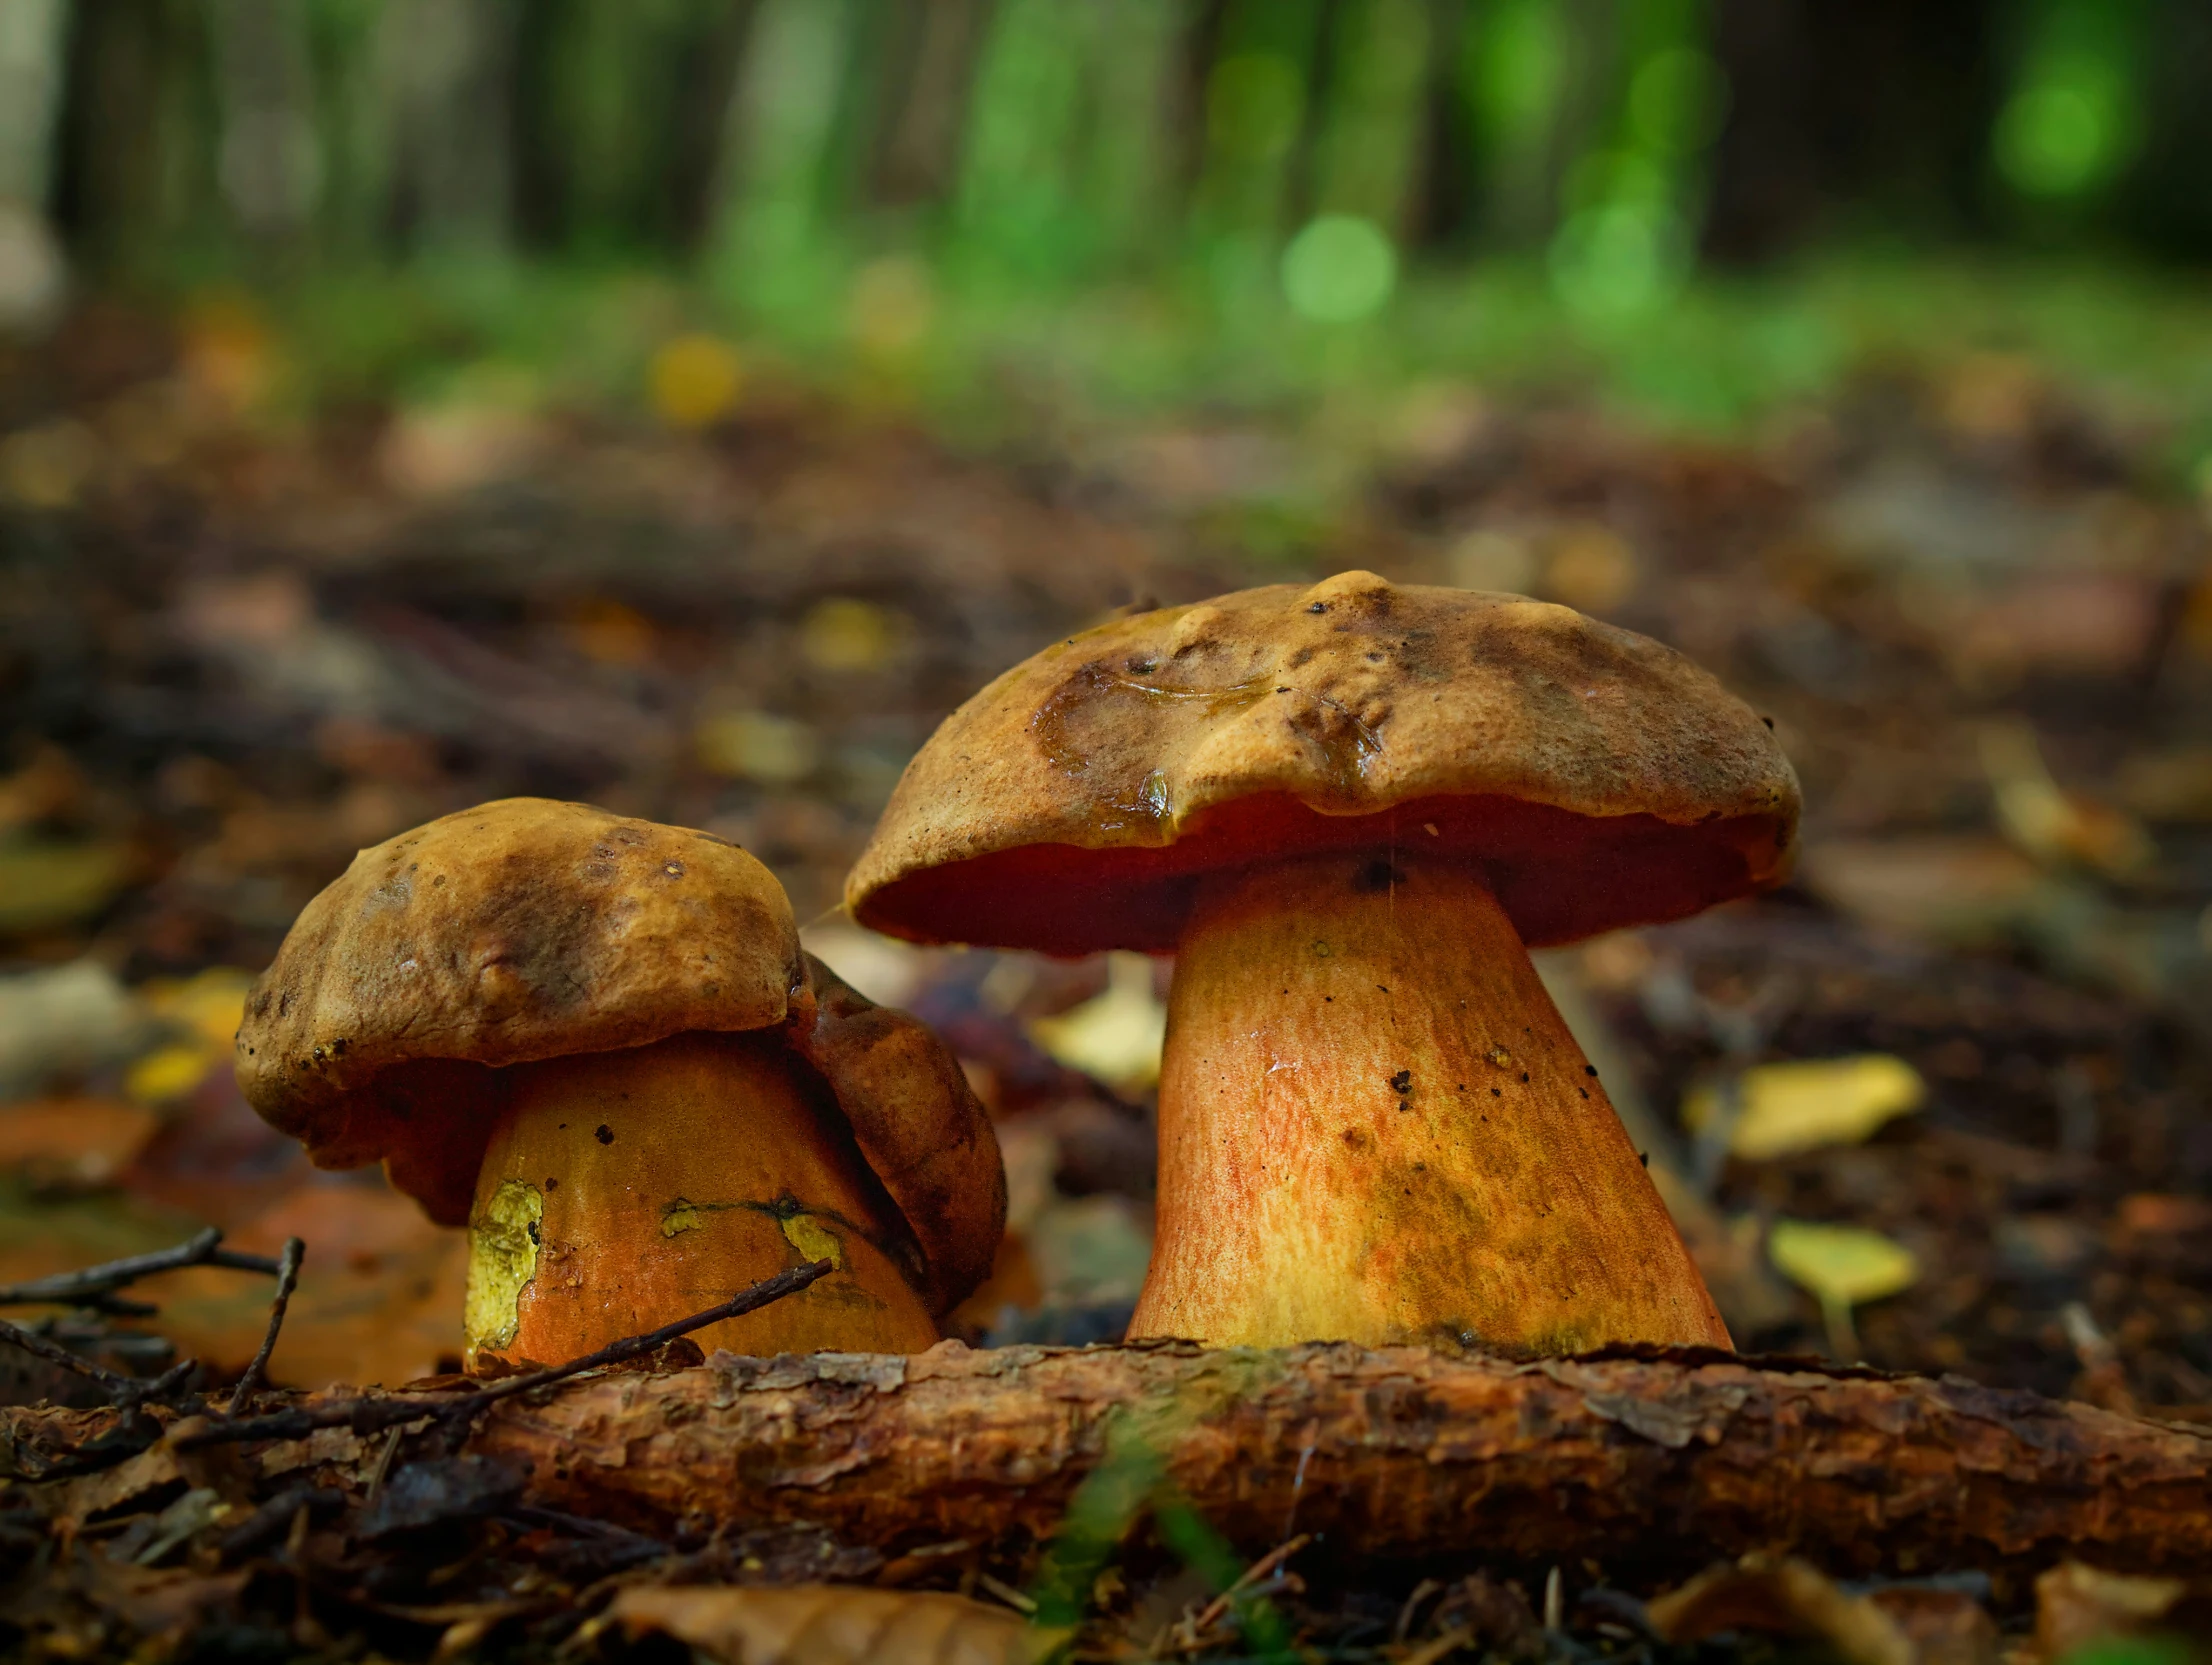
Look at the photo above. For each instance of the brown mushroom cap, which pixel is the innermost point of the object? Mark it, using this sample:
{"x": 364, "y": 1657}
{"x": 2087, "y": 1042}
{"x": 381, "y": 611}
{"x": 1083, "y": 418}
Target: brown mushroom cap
{"x": 515, "y": 931}
{"x": 1599, "y": 778}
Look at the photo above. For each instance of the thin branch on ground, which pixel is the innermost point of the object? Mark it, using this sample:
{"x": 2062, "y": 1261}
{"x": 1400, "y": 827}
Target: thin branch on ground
{"x": 126, "y": 1392}
{"x": 94, "y": 1286}
{"x": 112, "y": 1382}
{"x": 288, "y": 1277}
{"x": 369, "y": 1416}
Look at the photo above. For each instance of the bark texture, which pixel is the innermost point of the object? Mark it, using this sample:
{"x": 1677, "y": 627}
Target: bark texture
{"x": 1652, "y": 1459}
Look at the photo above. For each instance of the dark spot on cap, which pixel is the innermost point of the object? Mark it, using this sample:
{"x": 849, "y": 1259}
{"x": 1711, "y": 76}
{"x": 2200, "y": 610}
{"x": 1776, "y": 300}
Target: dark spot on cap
{"x": 604, "y": 1134}
{"x": 1318, "y": 607}
{"x": 1589, "y": 1069}
{"x": 674, "y": 869}
{"x": 552, "y": 1185}
{"x": 1376, "y": 877}
{"x": 1402, "y": 1082}
{"x": 1769, "y": 721}
{"x": 1644, "y": 1156}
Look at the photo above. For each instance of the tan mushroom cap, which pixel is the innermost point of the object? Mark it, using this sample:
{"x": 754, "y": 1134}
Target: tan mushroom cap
{"x": 514, "y": 931}
{"x": 1598, "y": 777}
{"x": 529, "y": 929}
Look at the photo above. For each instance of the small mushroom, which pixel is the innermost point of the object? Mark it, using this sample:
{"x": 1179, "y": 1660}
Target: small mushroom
{"x": 596, "y": 1042}
{"x": 1348, "y": 810}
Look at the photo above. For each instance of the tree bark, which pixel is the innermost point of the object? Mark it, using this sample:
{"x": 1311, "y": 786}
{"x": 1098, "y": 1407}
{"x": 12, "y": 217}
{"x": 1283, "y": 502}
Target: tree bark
{"x": 1652, "y": 1463}
{"x": 1654, "y": 1459}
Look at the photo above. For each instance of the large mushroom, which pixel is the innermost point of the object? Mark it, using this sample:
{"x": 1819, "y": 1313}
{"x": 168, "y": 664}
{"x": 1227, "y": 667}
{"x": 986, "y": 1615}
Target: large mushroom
{"x": 1348, "y": 810}
{"x": 597, "y": 1043}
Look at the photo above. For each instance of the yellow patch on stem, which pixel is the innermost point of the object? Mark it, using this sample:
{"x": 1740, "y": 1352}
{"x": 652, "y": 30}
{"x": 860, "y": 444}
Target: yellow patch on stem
{"x": 680, "y": 1216}
{"x": 816, "y": 1241}
{"x": 503, "y": 1258}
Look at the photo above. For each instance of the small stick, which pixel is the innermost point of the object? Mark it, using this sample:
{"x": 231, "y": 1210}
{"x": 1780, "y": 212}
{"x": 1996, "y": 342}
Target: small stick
{"x": 368, "y": 1416}
{"x": 89, "y": 1285}
{"x": 1258, "y": 1570}
{"x": 287, "y": 1277}
{"x": 117, "y": 1386}
{"x": 383, "y": 1469}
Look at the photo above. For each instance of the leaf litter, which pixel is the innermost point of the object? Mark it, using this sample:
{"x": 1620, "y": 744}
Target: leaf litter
{"x": 226, "y": 688}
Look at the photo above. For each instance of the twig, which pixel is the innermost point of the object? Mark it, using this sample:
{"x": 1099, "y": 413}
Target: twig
{"x": 115, "y": 1384}
{"x": 368, "y": 1416}
{"x": 127, "y": 1392}
{"x": 1253, "y": 1574}
{"x": 1450, "y": 1642}
{"x": 92, "y": 1285}
{"x": 382, "y": 1471}
{"x": 287, "y": 1277}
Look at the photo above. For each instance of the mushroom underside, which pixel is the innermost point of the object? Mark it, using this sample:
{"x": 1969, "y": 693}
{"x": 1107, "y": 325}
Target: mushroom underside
{"x": 1558, "y": 875}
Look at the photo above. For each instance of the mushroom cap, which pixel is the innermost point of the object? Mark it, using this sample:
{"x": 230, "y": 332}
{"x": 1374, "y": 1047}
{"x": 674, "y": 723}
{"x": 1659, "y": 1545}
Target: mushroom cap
{"x": 919, "y": 1125}
{"x": 1599, "y": 778}
{"x": 527, "y": 929}
{"x": 519, "y": 930}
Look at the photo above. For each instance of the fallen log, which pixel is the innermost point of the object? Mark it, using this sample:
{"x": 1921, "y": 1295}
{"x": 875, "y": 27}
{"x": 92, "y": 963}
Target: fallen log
{"x": 1653, "y": 1459}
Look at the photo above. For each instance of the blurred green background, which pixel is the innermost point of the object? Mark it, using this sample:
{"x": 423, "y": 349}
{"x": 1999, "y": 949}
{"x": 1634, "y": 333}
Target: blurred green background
{"x": 1698, "y": 207}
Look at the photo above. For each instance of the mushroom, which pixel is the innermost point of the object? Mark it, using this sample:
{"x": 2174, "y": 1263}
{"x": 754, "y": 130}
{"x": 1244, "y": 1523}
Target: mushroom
{"x": 1349, "y": 810}
{"x": 596, "y": 1042}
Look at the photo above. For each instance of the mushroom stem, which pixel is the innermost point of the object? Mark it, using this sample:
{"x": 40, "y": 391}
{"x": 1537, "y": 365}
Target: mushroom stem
{"x": 625, "y": 1189}
{"x": 1375, "y": 1127}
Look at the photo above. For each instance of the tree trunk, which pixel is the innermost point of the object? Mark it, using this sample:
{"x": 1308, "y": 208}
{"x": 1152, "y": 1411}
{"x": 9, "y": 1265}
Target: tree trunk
{"x": 1656, "y": 1461}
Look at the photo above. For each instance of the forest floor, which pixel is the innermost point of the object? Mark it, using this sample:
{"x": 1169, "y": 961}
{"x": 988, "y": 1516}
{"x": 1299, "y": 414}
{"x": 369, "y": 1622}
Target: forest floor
{"x": 234, "y": 651}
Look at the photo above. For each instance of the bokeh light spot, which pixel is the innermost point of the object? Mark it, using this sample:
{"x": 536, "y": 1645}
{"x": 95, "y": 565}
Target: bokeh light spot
{"x": 2059, "y": 138}
{"x": 1339, "y": 269}
{"x": 1620, "y": 258}
{"x": 694, "y": 380}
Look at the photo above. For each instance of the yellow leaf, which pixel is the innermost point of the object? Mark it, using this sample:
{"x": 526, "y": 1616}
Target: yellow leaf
{"x": 844, "y": 634}
{"x": 2042, "y": 819}
{"x": 167, "y": 1073}
{"x": 757, "y": 746}
{"x": 210, "y": 1004}
{"x": 824, "y": 1624}
{"x": 694, "y": 380}
{"x": 1811, "y": 1103}
{"x": 1115, "y": 1037}
{"x": 1841, "y": 1265}
{"x": 45, "y": 885}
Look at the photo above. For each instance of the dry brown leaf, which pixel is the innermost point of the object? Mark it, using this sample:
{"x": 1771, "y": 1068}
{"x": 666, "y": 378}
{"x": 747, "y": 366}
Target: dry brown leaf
{"x": 72, "y": 1144}
{"x": 1788, "y": 1597}
{"x": 828, "y": 1624}
{"x": 2076, "y": 1605}
{"x": 379, "y": 1297}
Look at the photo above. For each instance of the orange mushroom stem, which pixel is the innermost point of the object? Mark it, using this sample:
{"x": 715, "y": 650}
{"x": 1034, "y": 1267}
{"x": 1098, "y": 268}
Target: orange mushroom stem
{"x": 621, "y": 1187}
{"x": 1375, "y": 1125}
